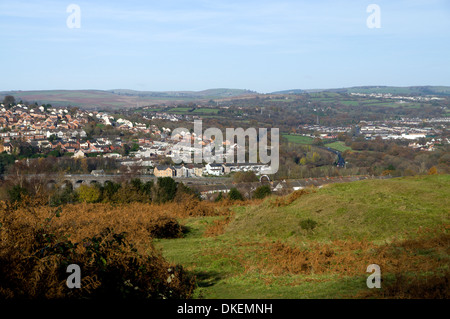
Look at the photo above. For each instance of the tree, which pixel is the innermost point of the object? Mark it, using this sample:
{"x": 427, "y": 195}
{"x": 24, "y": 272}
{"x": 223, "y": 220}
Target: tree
{"x": 52, "y": 138}
{"x": 5, "y": 161}
{"x": 125, "y": 150}
{"x": 432, "y": 171}
{"x": 84, "y": 165}
{"x": 318, "y": 142}
{"x": 134, "y": 147}
{"x": 16, "y": 193}
{"x": 109, "y": 190}
{"x": 315, "y": 157}
{"x": 219, "y": 197}
{"x": 234, "y": 194}
{"x": 262, "y": 191}
{"x": 245, "y": 177}
{"x": 89, "y": 194}
{"x": 165, "y": 190}
{"x": 9, "y": 100}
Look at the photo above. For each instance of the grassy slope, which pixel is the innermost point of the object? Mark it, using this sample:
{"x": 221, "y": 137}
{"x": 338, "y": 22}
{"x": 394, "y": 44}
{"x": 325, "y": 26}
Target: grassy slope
{"x": 378, "y": 210}
{"x": 338, "y": 145}
{"x": 299, "y": 139}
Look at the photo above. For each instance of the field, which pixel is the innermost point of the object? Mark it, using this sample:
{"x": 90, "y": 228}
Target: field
{"x": 313, "y": 243}
{"x": 116, "y": 99}
{"x": 205, "y": 111}
{"x": 339, "y": 146}
{"x": 197, "y": 111}
{"x": 300, "y": 139}
{"x": 263, "y": 252}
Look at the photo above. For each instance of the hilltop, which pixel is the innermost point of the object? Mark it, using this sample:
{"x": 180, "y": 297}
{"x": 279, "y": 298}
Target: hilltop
{"x": 125, "y": 98}
{"x": 408, "y": 90}
{"x": 121, "y": 98}
{"x": 317, "y": 243}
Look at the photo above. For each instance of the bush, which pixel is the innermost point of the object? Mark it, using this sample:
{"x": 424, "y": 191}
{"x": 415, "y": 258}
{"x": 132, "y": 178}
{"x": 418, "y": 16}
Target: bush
{"x": 111, "y": 266}
{"x": 262, "y": 191}
{"x": 219, "y": 197}
{"x": 16, "y": 193}
{"x": 165, "y": 227}
{"x": 63, "y": 196}
{"x": 89, "y": 194}
{"x": 234, "y": 194}
{"x": 244, "y": 177}
{"x": 308, "y": 224}
{"x": 165, "y": 190}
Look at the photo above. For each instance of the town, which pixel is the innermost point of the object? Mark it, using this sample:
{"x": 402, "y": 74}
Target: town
{"x": 61, "y": 131}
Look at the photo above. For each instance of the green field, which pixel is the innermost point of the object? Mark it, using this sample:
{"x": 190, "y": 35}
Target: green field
{"x": 352, "y": 103}
{"x": 180, "y": 110}
{"x": 339, "y": 146}
{"x": 300, "y": 139}
{"x": 380, "y": 213}
{"x": 205, "y": 111}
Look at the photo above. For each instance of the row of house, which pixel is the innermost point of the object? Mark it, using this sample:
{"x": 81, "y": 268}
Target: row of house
{"x": 215, "y": 169}
{"x": 189, "y": 170}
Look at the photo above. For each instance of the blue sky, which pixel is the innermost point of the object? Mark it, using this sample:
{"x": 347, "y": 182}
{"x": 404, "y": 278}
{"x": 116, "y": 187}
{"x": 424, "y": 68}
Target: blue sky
{"x": 194, "y": 45}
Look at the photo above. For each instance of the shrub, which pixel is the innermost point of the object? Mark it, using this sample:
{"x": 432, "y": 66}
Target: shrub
{"x": 308, "y": 224}
{"x": 432, "y": 171}
{"x": 63, "y": 196}
{"x": 219, "y": 197}
{"x": 234, "y": 194}
{"x": 89, "y": 194}
{"x": 262, "y": 191}
{"x": 165, "y": 190}
{"x": 112, "y": 267}
{"x": 165, "y": 227}
{"x": 244, "y": 177}
{"x": 218, "y": 227}
{"x": 16, "y": 193}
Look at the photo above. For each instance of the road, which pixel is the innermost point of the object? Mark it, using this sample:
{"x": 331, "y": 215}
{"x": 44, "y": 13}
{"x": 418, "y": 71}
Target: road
{"x": 340, "y": 162}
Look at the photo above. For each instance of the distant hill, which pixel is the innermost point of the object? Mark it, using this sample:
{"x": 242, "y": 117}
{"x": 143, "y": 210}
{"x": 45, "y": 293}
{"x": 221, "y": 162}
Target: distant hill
{"x": 123, "y": 98}
{"x": 296, "y": 91}
{"x": 409, "y": 90}
{"x": 120, "y": 98}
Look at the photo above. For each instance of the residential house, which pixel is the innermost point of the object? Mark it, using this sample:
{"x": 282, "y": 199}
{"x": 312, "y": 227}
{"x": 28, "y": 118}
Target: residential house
{"x": 98, "y": 172}
{"x": 164, "y": 171}
{"x": 7, "y": 147}
{"x": 181, "y": 171}
{"x": 214, "y": 169}
{"x": 79, "y": 154}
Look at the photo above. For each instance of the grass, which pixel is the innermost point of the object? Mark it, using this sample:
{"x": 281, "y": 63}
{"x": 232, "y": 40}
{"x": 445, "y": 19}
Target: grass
{"x": 242, "y": 262}
{"x": 180, "y": 110}
{"x": 352, "y": 103}
{"x": 206, "y": 111}
{"x": 339, "y": 146}
{"x": 299, "y": 139}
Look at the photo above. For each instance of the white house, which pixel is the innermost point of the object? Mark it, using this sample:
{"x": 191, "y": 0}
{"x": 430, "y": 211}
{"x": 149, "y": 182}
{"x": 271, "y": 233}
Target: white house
{"x": 214, "y": 169}
{"x": 79, "y": 154}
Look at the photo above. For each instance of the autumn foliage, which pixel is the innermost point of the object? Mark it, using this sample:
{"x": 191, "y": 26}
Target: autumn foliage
{"x": 111, "y": 243}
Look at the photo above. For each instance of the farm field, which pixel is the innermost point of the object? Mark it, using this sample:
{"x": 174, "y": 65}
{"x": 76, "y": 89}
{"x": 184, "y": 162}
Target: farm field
{"x": 300, "y": 139}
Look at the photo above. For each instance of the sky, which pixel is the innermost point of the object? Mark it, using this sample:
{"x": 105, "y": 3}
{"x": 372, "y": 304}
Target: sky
{"x": 259, "y": 45}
